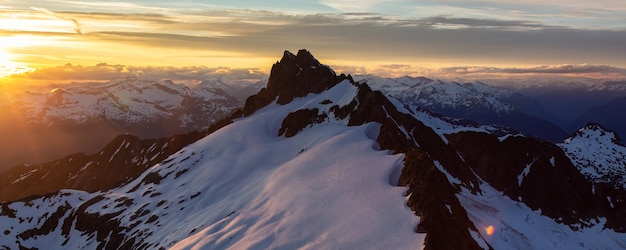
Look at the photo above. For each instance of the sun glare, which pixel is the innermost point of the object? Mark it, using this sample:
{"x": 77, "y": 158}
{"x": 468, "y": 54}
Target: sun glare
{"x": 489, "y": 230}
{"x": 8, "y": 65}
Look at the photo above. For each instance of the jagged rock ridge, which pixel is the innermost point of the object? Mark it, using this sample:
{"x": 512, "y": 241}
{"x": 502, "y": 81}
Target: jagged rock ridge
{"x": 118, "y": 163}
{"x": 445, "y": 174}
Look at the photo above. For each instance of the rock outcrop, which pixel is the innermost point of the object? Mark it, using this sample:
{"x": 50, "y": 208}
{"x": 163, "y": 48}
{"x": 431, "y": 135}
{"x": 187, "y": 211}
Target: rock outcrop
{"x": 437, "y": 168}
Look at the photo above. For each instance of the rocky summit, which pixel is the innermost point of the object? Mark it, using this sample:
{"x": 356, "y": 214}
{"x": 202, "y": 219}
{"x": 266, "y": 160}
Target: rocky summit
{"x": 316, "y": 160}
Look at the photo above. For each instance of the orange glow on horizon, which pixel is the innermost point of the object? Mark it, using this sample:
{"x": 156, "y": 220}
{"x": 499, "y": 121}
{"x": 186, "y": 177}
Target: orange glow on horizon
{"x": 489, "y": 230}
{"x": 8, "y": 67}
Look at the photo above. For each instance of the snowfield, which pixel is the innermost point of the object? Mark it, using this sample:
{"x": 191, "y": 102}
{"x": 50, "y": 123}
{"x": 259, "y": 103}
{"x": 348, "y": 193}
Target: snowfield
{"x": 598, "y": 154}
{"x": 244, "y": 187}
{"x": 516, "y": 226}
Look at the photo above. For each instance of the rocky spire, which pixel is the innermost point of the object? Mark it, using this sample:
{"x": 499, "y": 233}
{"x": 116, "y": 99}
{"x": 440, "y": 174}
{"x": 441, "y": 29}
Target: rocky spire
{"x": 293, "y": 76}
{"x": 299, "y": 75}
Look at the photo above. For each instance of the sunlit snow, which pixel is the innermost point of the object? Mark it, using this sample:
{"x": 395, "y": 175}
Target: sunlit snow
{"x": 245, "y": 187}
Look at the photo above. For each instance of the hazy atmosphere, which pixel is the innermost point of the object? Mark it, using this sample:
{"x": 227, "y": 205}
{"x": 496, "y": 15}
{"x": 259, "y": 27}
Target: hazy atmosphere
{"x": 312, "y": 124}
{"x": 466, "y": 39}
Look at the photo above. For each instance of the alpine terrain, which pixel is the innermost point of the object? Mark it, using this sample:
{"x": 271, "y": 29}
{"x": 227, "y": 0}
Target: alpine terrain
{"x": 316, "y": 160}
{"x": 598, "y": 153}
{"x": 472, "y": 100}
{"x": 62, "y": 118}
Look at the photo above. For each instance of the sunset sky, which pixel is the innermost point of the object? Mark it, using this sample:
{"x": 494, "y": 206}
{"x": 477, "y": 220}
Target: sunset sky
{"x": 365, "y": 36}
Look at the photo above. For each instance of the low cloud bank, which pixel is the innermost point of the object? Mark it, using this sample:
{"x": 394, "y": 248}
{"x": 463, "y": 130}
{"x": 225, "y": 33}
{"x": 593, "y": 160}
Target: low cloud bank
{"x": 105, "y": 72}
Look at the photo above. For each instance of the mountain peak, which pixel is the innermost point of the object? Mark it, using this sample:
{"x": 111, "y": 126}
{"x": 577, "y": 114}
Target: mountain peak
{"x": 302, "y": 58}
{"x": 596, "y": 131}
{"x": 598, "y": 153}
{"x": 293, "y": 76}
{"x": 339, "y": 144}
{"x": 298, "y": 75}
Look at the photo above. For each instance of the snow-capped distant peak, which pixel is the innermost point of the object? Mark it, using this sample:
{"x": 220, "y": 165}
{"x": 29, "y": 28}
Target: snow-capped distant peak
{"x": 439, "y": 94}
{"x": 596, "y": 132}
{"x": 317, "y": 161}
{"x": 129, "y": 101}
{"x": 598, "y": 153}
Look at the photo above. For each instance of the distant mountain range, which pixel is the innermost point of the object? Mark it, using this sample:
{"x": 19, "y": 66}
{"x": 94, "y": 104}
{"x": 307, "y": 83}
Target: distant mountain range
{"x": 129, "y": 102}
{"x": 318, "y": 160}
{"x": 61, "y": 118}
{"x": 43, "y": 122}
{"x": 473, "y": 101}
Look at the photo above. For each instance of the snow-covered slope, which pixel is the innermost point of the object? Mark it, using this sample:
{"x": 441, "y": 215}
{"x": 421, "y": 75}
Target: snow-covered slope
{"x": 598, "y": 153}
{"x": 509, "y": 224}
{"x": 259, "y": 191}
{"x": 317, "y": 161}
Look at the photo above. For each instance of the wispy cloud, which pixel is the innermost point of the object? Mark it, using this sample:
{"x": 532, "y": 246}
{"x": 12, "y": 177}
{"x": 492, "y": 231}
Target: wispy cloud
{"x": 574, "y": 13}
{"x": 454, "y": 22}
{"x": 74, "y": 21}
{"x": 355, "y": 5}
{"x": 365, "y": 39}
{"x": 473, "y": 41}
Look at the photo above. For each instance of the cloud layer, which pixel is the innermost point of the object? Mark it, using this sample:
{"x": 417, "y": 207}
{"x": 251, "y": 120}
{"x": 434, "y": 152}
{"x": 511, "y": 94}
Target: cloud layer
{"x": 106, "y": 72}
{"x": 358, "y": 37}
{"x": 499, "y": 34}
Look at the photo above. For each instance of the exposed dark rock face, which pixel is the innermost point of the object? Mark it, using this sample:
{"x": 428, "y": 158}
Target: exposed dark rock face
{"x": 293, "y": 76}
{"x": 109, "y": 234}
{"x": 120, "y": 162}
{"x": 440, "y": 224}
{"x": 539, "y": 174}
{"x": 616, "y": 211}
{"x": 435, "y": 169}
{"x": 299, "y": 75}
{"x": 551, "y": 183}
{"x": 403, "y": 133}
{"x": 296, "y": 121}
